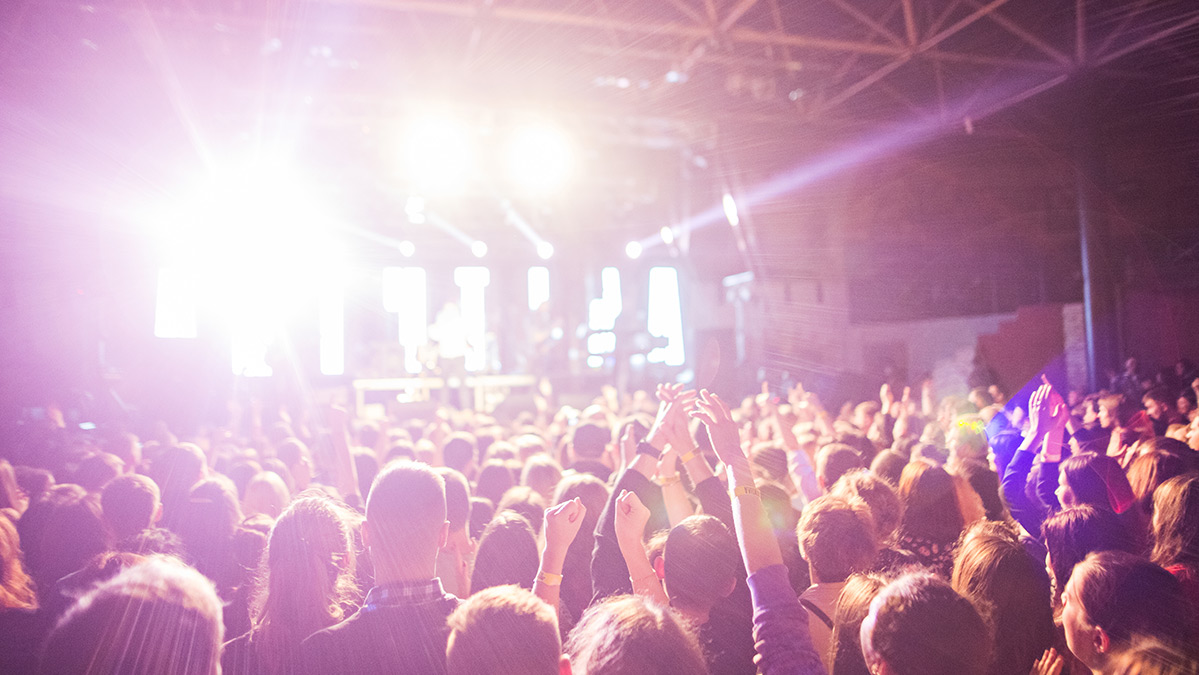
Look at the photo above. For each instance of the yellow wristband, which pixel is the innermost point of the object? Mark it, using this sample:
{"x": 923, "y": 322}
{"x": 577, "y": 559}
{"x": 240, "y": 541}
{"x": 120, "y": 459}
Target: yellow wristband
{"x": 667, "y": 481}
{"x": 549, "y": 579}
{"x": 688, "y": 457}
{"x": 746, "y": 490}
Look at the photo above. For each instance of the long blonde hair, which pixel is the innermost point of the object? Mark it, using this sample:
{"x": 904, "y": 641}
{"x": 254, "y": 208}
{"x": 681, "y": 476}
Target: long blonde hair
{"x": 16, "y": 588}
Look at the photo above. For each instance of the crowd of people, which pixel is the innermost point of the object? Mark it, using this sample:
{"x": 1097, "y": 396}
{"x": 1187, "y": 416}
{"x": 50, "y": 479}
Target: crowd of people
{"x": 649, "y": 533}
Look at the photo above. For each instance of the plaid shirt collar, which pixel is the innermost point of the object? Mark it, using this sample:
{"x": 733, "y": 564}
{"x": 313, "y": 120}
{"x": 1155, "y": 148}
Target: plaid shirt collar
{"x": 404, "y": 593}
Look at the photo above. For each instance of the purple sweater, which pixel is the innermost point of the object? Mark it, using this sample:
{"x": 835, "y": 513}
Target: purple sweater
{"x": 781, "y": 626}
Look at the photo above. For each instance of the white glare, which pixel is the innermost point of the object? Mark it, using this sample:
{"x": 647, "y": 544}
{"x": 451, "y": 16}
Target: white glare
{"x": 479, "y": 248}
{"x": 407, "y": 249}
{"x": 175, "y": 306}
{"x": 439, "y": 154}
{"x": 540, "y": 157}
{"x": 667, "y": 235}
{"x": 730, "y": 210}
{"x": 332, "y": 330}
{"x": 633, "y": 250}
{"x": 545, "y": 250}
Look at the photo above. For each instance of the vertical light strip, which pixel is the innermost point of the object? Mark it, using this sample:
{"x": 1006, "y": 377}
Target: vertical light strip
{"x": 405, "y": 294}
{"x": 539, "y": 287}
{"x": 472, "y": 281}
{"x": 666, "y": 316}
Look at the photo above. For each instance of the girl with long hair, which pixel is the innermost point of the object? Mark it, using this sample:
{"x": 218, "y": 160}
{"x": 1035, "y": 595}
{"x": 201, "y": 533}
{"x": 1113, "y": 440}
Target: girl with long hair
{"x": 305, "y": 586}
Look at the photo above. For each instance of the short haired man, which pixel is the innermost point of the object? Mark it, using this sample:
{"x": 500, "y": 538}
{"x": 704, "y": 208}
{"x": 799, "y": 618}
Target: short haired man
{"x": 833, "y": 461}
{"x": 131, "y": 503}
{"x": 837, "y": 538}
{"x": 401, "y": 626}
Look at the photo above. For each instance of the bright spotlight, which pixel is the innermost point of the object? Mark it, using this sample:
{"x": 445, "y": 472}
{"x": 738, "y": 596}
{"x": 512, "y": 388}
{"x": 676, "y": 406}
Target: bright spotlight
{"x": 545, "y": 250}
{"x": 730, "y": 210}
{"x": 479, "y": 248}
{"x": 439, "y": 154}
{"x": 407, "y": 249}
{"x": 540, "y": 157}
{"x": 667, "y": 235}
{"x": 633, "y": 250}
{"x": 415, "y": 208}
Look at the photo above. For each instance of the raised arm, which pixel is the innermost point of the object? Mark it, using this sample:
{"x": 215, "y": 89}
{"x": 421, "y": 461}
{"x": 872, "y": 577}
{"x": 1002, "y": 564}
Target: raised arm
{"x": 781, "y": 635}
{"x": 562, "y": 523}
{"x": 631, "y": 518}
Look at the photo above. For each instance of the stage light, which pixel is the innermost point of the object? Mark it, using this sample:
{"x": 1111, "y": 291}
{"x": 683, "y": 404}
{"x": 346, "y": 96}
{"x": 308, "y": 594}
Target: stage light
{"x": 665, "y": 316}
{"x": 730, "y": 210}
{"x": 407, "y": 249}
{"x": 633, "y": 250}
{"x": 175, "y": 304}
{"x": 415, "y": 208}
{"x": 667, "y": 235}
{"x": 545, "y": 250}
{"x": 439, "y": 154}
{"x": 539, "y": 287}
{"x": 473, "y": 282}
{"x": 405, "y": 295}
{"x": 540, "y": 158}
{"x": 479, "y": 248}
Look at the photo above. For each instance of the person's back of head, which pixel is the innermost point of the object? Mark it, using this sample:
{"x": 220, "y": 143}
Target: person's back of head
{"x": 853, "y": 604}
{"x": 266, "y": 494}
{"x": 16, "y": 587}
{"x": 986, "y": 485}
{"x": 494, "y": 480}
{"x": 930, "y": 503}
{"x": 700, "y": 562}
{"x": 967, "y": 439}
{"x": 1149, "y": 471}
{"x": 628, "y": 635}
{"x": 457, "y": 498}
{"x": 307, "y": 572}
{"x": 1011, "y": 589}
{"x": 366, "y": 465}
{"x": 1071, "y": 534}
{"x": 156, "y": 617}
{"x": 405, "y": 519}
{"x": 1147, "y": 656}
{"x": 507, "y": 553}
{"x": 837, "y": 538}
{"x": 1176, "y": 521}
{"x": 1098, "y": 480}
{"x": 589, "y": 441}
{"x": 918, "y": 625}
{"x": 130, "y": 504}
{"x": 886, "y": 510}
{"x": 833, "y": 461}
{"x": 459, "y": 452}
{"x": 542, "y": 474}
{"x": 503, "y": 630}
{"x": 176, "y": 469}
{"x": 97, "y": 469}
{"x": 525, "y": 501}
{"x": 888, "y": 465}
{"x": 1114, "y": 597}
{"x": 60, "y": 533}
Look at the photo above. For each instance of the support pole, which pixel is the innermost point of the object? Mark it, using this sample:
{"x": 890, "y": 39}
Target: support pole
{"x": 1098, "y": 310}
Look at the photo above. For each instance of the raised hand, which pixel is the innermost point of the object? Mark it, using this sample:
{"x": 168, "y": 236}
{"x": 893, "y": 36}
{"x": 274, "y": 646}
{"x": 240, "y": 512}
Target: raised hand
{"x": 631, "y": 517}
{"x": 562, "y": 523}
{"x": 886, "y": 397}
{"x": 1050, "y": 663}
{"x": 715, "y": 414}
